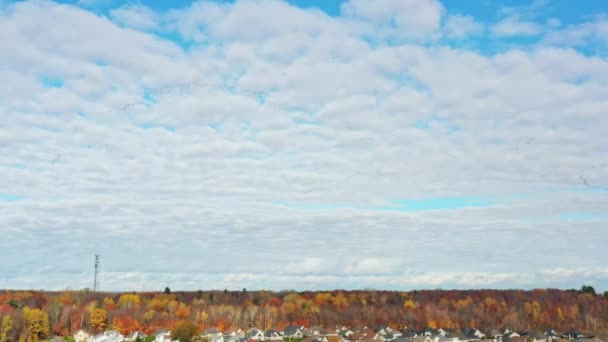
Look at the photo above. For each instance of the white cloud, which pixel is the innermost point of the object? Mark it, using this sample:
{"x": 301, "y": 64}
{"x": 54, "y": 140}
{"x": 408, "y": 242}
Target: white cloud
{"x": 589, "y": 33}
{"x": 136, "y": 16}
{"x": 462, "y": 26}
{"x": 276, "y": 150}
{"x": 515, "y": 26}
{"x": 409, "y": 18}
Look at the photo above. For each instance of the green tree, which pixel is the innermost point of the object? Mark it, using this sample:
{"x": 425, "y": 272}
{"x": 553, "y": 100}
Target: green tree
{"x": 587, "y": 289}
{"x": 13, "y": 303}
{"x": 167, "y": 290}
{"x": 184, "y": 331}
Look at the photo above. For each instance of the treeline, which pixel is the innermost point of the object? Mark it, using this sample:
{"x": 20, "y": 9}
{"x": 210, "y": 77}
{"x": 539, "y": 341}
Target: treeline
{"x": 41, "y": 314}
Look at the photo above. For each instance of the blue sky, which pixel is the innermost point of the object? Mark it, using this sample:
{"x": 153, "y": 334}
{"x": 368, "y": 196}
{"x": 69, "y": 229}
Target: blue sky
{"x": 266, "y": 144}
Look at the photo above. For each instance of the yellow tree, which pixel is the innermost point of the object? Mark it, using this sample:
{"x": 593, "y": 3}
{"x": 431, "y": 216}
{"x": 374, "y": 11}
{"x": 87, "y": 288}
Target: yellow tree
{"x": 323, "y": 298}
{"x": 204, "y": 317}
{"x": 129, "y": 300}
{"x": 182, "y": 311}
{"x": 149, "y": 316}
{"x": 340, "y": 300}
{"x": 35, "y": 322}
{"x": 65, "y": 299}
{"x": 98, "y": 319}
{"x": 7, "y": 325}
{"x": 560, "y": 315}
{"x": 409, "y": 304}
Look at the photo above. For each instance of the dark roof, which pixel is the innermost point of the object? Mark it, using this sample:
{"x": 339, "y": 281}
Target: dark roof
{"x": 269, "y": 332}
{"x": 470, "y": 332}
{"x": 409, "y": 333}
{"x": 401, "y": 339}
{"x": 291, "y": 330}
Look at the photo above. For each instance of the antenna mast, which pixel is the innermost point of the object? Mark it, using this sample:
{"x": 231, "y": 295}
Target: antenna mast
{"x": 96, "y": 280}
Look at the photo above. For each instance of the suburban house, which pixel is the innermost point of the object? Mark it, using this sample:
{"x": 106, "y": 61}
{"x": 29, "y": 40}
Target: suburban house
{"x": 272, "y": 335}
{"x": 211, "y": 332}
{"x": 255, "y": 334}
{"x": 313, "y": 339}
{"x": 108, "y": 336}
{"x": 494, "y": 335}
{"x": 234, "y": 332}
{"x": 573, "y": 335}
{"x": 344, "y": 331}
{"x": 162, "y": 335}
{"x": 234, "y": 339}
{"x": 134, "y": 335}
{"x": 551, "y": 334}
{"x": 383, "y": 330}
{"x": 327, "y": 332}
{"x": 422, "y": 338}
{"x": 81, "y": 336}
{"x": 344, "y": 334}
{"x": 293, "y": 331}
{"x": 445, "y": 332}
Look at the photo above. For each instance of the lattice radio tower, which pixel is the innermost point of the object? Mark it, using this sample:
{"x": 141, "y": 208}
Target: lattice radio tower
{"x": 96, "y": 280}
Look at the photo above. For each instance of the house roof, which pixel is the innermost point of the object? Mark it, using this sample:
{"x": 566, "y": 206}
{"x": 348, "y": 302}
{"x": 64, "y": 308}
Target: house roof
{"x": 535, "y": 334}
{"x": 291, "y": 330}
{"x": 328, "y": 331}
{"x": 234, "y": 339}
{"x": 270, "y": 332}
{"x": 493, "y": 332}
{"x": 410, "y": 333}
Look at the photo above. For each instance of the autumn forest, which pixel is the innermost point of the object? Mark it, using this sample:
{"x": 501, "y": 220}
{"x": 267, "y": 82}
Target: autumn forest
{"x": 45, "y": 314}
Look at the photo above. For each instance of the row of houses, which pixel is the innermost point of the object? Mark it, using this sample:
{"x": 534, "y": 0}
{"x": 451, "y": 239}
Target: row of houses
{"x": 344, "y": 334}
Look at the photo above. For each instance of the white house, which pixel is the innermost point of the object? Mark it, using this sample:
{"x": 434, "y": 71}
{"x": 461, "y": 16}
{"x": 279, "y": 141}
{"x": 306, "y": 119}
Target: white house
{"x": 162, "y": 335}
{"x": 215, "y": 338}
{"x": 134, "y": 335}
{"x": 255, "y": 334}
{"x": 234, "y": 332}
{"x": 81, "y": 336}
{"x": 211, "y": 332}
{"x": 293, "y": 332}
{"x": 272, "y": 335}
{"x": 108, "y": 336}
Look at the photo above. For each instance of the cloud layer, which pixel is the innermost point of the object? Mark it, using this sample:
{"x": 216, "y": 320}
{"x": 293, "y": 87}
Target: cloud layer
{"x": 258, "y": 144}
